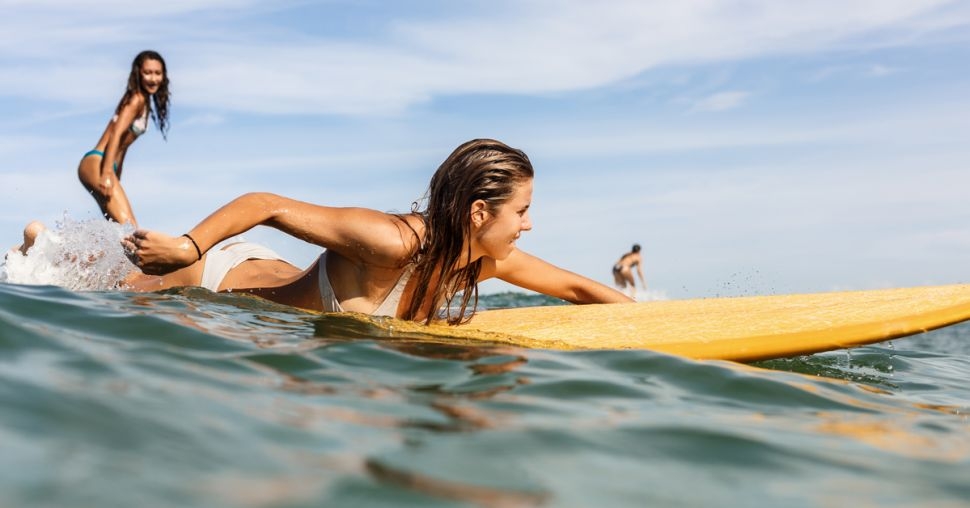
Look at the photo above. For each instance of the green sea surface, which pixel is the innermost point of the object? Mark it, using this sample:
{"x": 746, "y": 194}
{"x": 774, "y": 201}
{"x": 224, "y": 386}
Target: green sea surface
{"x": 191, "y": 398}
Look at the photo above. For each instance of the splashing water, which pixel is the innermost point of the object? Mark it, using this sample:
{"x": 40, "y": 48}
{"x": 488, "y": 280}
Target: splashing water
{"x": 77, "y": 255}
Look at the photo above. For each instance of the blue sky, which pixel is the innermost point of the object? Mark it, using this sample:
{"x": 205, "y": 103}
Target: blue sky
{"x": 751, "y": 147}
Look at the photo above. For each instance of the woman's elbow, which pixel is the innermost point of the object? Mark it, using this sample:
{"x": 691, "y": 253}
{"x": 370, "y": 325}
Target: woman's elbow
{"x": 258, "y": 197}
{"x": 264, "y": 202}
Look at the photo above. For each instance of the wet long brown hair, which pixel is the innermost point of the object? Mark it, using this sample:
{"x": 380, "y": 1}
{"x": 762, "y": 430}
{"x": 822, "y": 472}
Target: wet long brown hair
{"x": 483, "y": 169}
{"x": 160, "y": 111}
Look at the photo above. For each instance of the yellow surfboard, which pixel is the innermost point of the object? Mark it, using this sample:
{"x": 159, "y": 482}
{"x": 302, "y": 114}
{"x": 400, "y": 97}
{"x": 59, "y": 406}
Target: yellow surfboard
{"x": 742, "y": 329}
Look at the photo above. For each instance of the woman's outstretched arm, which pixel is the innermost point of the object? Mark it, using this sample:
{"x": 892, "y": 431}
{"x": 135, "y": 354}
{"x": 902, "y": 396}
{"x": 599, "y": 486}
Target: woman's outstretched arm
{"x": 357, "y": 233}
{"x": 530, "y": 272}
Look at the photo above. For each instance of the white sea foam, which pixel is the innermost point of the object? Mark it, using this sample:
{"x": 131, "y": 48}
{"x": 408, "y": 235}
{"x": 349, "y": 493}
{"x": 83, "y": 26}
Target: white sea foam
{"x": 651, "y": 295}
{"x": 78, "y": 255}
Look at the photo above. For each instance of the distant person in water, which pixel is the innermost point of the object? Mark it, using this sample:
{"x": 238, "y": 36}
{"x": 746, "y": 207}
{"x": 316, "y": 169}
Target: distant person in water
{"x": 406, "y": 265}
{"x": 100, "y": 169}
{"x": 623, "y": 271}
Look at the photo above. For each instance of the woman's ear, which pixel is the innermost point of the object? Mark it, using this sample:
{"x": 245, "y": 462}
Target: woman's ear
{"x": 479, "y": 211}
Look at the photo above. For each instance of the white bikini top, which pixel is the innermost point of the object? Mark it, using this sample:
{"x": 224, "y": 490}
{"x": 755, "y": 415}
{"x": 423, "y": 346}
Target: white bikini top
{"x": 387, "y": 308}
{"x": 138, "y": 126}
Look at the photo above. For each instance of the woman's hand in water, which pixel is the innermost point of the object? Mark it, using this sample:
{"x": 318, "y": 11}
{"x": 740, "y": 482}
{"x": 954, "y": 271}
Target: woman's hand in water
{"x": 157, "y": 253}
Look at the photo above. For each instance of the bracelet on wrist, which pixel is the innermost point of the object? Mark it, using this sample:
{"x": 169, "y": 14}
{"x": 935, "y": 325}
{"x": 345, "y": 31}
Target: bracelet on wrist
{"x": 194, "y": 244}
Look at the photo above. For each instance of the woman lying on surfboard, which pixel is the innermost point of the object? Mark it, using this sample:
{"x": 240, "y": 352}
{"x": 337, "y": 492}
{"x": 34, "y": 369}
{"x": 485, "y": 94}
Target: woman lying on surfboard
{"x": 100, "y": 169}
{"x": 402, "y": 265}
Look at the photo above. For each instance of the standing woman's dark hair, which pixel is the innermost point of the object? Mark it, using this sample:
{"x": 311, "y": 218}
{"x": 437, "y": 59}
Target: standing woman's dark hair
{"x": 479, "y": 169}
{"x": 160, "y": 97}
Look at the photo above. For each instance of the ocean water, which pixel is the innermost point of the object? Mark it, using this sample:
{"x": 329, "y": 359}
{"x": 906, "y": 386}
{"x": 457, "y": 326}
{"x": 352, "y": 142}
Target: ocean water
{"x": 191, "y": 398}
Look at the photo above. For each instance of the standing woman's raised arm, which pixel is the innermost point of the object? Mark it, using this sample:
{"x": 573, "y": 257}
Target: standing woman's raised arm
{"x": 114, "y": 155}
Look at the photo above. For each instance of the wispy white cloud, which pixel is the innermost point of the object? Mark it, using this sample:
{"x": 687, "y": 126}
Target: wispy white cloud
{"x": 10, "y": 145}
{"x": 533, "y": 49}
{"x": 721, "y": 101}
{"x": 204, "y": 119}
{"x": 869, "y": 70}
{"x": 520, "y": 48}
{"x": 878, "y": 71}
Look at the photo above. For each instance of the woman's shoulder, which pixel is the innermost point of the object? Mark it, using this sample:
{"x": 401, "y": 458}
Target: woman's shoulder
{"x": 135, "y": 102}
{"x": 391, "y": 239}
{"x": 414, "y": 221}
{"x": 411, "y": 228}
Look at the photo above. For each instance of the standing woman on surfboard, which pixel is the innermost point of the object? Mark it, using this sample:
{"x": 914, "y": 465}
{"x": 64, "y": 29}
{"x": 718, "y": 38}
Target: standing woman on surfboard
{"x": 100, "y": 168}
{"x": 402, "y": 265}
{"x": 623, "y": 270}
